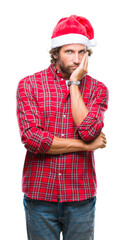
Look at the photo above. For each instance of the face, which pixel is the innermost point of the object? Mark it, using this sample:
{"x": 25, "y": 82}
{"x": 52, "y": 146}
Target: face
{"x": 69, "y": 58}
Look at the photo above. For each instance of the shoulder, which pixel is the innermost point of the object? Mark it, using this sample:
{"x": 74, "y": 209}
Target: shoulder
{"x": 32, "y": 79}
{"x": 95, "y": 85}
{"x": 36, "y": 77}
{"x": 94, "y": 82}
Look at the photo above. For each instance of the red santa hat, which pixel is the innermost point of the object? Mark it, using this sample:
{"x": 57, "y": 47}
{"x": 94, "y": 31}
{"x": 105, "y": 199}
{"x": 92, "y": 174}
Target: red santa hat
{"x": 73, "y": 29}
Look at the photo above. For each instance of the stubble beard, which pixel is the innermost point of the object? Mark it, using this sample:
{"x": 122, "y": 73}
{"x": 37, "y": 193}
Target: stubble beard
{"x": 66, "y": 71}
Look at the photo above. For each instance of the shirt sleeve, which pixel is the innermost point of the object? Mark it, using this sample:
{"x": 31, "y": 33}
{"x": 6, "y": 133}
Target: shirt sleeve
{"x": 33, "y": 136}
{"x": 94, "y": 121}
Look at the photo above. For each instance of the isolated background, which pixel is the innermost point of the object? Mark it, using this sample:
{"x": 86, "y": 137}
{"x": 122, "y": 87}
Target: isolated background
{"x": 26, "y": 28}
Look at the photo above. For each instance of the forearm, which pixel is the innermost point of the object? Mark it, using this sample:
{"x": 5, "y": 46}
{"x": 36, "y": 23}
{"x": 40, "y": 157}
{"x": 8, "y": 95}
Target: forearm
{"x": 78, "y": 107}
{"x": 36, "y": 140}
{"x": 89, "y": 120}
{"x": 67, "y": 145}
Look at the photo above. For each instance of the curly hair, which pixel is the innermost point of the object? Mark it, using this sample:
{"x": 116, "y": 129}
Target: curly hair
{"x": 55, "y": 52}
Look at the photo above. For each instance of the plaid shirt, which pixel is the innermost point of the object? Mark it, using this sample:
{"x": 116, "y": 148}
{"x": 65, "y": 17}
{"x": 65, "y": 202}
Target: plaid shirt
{"x": 44, "y": 111}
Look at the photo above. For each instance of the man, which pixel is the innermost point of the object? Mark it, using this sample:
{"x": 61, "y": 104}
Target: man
{"x": 60, "y": 113}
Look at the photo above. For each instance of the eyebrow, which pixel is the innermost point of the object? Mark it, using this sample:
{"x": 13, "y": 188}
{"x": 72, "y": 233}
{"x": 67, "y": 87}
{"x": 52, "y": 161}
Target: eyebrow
{"x": 70, "y": 49}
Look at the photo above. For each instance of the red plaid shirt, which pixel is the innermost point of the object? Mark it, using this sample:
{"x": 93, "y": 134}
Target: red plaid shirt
{"x": 44, "y": 111}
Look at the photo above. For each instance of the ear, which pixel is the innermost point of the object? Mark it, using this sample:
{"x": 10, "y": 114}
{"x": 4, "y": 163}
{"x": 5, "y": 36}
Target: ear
{"x": 55, "y": 56}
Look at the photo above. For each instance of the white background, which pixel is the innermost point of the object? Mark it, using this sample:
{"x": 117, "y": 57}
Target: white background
{"x": 26, "y": 28}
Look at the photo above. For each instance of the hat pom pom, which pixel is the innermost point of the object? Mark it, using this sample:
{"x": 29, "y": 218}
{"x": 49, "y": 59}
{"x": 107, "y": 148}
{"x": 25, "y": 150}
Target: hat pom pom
{"x": 93, "y": 42}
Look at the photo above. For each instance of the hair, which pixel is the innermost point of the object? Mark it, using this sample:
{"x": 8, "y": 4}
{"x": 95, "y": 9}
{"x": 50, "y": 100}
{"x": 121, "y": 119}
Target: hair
{"x": 55, "y": 52}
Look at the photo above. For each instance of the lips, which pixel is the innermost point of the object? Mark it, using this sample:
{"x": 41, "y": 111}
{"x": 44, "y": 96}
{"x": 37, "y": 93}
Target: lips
{"x": 74, "y": 67}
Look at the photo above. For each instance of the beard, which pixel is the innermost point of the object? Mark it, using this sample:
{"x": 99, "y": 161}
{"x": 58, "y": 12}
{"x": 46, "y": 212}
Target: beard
{"x": 66, "y": 70}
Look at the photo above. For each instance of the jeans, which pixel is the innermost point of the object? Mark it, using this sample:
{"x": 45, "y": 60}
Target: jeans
{"x": 45, "y": 220}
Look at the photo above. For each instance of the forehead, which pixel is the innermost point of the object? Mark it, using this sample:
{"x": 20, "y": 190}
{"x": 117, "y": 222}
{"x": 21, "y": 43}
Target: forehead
{"x": 75, "y": 47}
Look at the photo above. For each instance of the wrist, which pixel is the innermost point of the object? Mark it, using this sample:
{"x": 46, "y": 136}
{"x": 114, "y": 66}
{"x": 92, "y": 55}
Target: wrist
{"x": 73, "y": 82}
{"x": 87, "y": 146}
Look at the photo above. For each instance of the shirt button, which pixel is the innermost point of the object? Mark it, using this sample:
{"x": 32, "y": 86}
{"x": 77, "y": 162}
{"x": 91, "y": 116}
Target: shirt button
{"x": 61, "y": 79}
{"x": 64, "y": 115}
{"x": 59, "y": 174}
{"x": 62, "y": 135}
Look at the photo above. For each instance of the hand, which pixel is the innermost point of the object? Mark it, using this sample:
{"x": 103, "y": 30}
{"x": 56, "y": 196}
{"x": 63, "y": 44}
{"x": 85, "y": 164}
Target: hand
{"x": 81, "y": 70}
{"x": 98, "y": 142}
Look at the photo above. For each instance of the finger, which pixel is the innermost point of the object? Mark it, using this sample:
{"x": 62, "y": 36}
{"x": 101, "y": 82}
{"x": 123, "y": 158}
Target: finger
{"x": 104, "y": 141}
{"x": 86, "y": 62}
{"x": 102, "y": 133}
{"x": 103, "y": 146}
{"x": 103, "y": 136}
{"x": 84, "y": 59}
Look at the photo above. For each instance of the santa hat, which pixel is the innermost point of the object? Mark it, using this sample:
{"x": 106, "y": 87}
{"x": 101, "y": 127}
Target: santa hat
{"x": 73, "y": 29}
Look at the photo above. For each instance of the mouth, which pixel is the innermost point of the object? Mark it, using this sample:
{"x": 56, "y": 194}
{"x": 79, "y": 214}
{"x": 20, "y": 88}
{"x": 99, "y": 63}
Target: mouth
{"x": 74, "y": 67}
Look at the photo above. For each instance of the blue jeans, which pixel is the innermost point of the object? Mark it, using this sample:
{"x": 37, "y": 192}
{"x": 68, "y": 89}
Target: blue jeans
{"x": 45, "y": 220}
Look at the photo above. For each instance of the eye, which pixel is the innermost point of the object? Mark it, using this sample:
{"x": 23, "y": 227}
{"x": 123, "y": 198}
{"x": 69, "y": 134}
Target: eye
{"x": 68, "y": 51}
{"x": 83, "y": 51}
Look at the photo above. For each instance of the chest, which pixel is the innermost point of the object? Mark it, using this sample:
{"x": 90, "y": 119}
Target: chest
{"x": 53, "y": 97}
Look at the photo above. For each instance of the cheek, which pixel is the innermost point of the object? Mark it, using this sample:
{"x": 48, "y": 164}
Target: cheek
{"x": 63, "y": 62}
{"x": 68, "y": 60}
{"x": 81, "y": 57}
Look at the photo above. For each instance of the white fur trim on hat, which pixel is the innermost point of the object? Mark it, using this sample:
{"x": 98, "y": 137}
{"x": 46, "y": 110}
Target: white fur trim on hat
{"x": 70, "y": 39}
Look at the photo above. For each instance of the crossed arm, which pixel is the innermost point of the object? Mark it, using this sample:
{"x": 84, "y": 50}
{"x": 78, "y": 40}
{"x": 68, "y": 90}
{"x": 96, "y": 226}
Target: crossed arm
{"x": 63, "y": 145}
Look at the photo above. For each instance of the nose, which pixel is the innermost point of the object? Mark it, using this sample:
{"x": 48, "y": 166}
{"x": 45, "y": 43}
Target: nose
{"x": 76, "y": 59}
